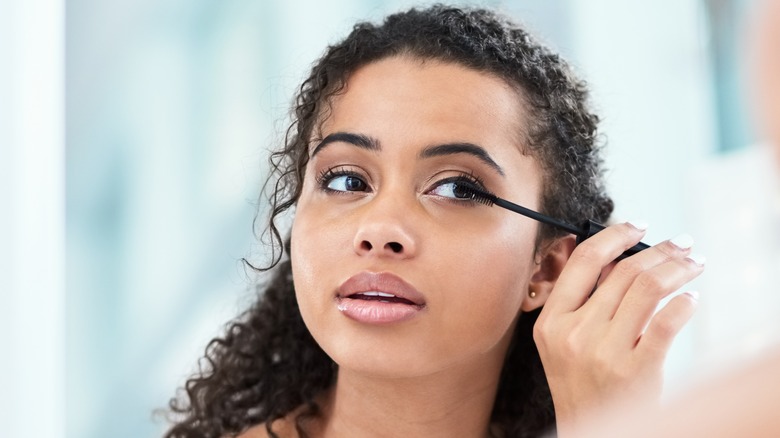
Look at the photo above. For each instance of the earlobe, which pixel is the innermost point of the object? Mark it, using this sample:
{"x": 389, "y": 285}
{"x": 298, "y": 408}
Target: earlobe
{"x": 550, "y": 264}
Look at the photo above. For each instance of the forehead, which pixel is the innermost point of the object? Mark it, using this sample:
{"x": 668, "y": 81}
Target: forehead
{"x": 406, "y": 92}
{"x": 408, "y": 105}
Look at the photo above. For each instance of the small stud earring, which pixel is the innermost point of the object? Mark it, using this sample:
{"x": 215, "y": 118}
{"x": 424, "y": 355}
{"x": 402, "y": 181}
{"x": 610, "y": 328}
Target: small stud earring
{"x": 532, "y": 294}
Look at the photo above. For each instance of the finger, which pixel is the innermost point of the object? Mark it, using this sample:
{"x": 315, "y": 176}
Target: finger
{"x": 586, "y": 262}
{"x": 665, "y": 325}
{"x": 609, "y": 295}
{"x": 647, "y": 291}
{"x": 607, "y": 270}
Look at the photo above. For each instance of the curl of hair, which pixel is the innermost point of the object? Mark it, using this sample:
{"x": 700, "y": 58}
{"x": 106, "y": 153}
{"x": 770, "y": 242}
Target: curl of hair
{"x": 267, "y": 364}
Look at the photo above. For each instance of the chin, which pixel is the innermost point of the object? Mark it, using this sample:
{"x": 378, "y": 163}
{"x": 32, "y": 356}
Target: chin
{"x": 385, "y": 355}
{"x": 389, "y": 366}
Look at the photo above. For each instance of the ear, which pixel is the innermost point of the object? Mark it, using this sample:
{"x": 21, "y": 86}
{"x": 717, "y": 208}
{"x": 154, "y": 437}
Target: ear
{"x": 549, "y": 264}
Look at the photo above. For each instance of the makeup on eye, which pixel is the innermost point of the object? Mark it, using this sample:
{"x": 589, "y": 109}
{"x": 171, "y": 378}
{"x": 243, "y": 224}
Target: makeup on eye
{"x": 457, "y": 188}
{"x": 372, "y": 144}
{"x": 341, "y": 179}
{"x": 347, "y": 160}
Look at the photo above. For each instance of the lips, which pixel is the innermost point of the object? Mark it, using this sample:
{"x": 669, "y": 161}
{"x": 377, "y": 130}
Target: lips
{"x": 378, "y": 298}
{"x": 382, "y": 287}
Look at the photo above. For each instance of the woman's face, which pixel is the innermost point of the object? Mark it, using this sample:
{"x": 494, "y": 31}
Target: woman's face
{"x": 396, "y": 274}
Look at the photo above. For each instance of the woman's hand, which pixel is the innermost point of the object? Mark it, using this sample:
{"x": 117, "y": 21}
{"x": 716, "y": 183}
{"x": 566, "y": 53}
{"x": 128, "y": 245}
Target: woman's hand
{"x": 612, "y": 345}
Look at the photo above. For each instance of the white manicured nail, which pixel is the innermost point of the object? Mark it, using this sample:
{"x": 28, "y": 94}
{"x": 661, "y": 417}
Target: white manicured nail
{"x": 683, "y": 241}
{"x": 693, "y": 294}
{"x": 697, "y": 258}
{"x": 639, "y": 225}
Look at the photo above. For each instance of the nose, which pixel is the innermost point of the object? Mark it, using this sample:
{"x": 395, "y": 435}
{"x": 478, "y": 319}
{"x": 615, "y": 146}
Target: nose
{"x": 385, "y": 231}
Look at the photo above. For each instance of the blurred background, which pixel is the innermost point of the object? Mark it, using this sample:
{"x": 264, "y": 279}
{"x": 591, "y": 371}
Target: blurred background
{"x": 134, "y": 138}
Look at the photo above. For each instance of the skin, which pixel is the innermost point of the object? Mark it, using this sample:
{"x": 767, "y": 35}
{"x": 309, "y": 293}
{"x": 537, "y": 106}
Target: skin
{"x": 612, "y": 346}
{"x": 765, "y": 69}
{"x": 438, "y": 371}
{"x": 743, "y": 401}
{"x": 436, "y": 374}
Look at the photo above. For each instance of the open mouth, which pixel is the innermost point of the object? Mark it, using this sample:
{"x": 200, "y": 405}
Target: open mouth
{"x": 382, "y": 297}
{"x": 379, "y": 298}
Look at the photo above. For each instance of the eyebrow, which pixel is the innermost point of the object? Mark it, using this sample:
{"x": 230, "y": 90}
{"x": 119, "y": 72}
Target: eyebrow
{"x": 372, "y": 144}
{"x": 462, "y": 148}
{"x": 359, "y": 140}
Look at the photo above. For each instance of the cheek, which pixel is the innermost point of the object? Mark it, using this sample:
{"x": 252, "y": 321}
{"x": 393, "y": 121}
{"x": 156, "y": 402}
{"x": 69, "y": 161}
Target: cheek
{"x": 508, "y": 272}
{"x": 475, "y": 273}
{"x": 490, "y": 278}
{"x": 304, "y": 272}
{"x": 308, "y": 243}
{"x": 316, "y": 246}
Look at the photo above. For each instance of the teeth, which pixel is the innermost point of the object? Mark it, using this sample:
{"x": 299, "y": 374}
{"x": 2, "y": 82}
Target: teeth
{"x": 377, "y": 294}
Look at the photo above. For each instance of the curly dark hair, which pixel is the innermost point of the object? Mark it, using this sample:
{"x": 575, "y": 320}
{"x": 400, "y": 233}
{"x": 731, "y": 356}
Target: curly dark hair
{"x": 267, "y": 364}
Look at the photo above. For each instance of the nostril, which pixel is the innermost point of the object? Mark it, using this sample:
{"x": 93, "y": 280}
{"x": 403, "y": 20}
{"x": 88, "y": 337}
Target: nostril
{"x": 395, "y": 246}
{"x": 366, "y": 245}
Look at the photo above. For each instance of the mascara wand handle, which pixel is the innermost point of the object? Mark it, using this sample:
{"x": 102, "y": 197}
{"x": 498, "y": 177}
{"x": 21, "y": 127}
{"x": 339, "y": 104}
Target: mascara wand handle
{"x": 589, "y": 228}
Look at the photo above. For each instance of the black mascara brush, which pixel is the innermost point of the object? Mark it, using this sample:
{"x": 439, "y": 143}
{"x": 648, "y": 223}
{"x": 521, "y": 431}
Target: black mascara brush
{"x": 587, "y": 229}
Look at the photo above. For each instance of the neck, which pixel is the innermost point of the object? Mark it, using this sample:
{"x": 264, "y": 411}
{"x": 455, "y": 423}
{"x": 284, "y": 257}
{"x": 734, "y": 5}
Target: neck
{"x": 454, "y": 402}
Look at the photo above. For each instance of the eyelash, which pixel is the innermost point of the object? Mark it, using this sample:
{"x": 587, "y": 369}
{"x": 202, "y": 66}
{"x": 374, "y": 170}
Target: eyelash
{"x": 324, "y": 178}
{"x": 464, "y": 179}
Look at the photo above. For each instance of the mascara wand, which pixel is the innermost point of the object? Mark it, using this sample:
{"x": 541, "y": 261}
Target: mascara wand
{"x": 588, "y": 229}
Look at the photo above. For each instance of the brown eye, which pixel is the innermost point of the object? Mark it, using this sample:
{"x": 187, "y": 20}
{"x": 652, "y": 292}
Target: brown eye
{"x": 455, "y": 188}
{"x": 460, "y": 191}
{"x": 346, "y": 183}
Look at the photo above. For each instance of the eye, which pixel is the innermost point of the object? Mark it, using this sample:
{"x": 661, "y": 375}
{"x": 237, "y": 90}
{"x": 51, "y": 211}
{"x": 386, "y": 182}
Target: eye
{"x": 456, "y": 188}
{"x": 341, "y": 181}
{"x": 346, "y": 183}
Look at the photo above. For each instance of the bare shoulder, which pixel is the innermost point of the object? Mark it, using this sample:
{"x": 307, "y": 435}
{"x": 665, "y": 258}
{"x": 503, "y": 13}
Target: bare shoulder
{"x": 258, "y": 431}
{"x": 282, "y": 428}
{"x": 287, "y": 426}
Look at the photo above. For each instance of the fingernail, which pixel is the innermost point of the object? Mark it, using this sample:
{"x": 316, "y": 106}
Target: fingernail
{"x": 693, "y": 294}
{"x": 697, "y": 258}
{"x": 639, "y": 225}
{"x": 683, "y": 241}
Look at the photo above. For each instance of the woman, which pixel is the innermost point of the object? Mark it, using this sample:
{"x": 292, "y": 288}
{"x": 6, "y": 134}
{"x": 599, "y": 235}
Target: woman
{"x": 402, "y": 307}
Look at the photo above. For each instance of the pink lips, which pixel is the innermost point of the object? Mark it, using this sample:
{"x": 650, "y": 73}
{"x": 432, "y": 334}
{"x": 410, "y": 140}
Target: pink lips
{"x": 378, "y": 298}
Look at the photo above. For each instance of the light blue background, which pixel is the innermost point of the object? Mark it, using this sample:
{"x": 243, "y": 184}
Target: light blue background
{"x": 169, "y": 110}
